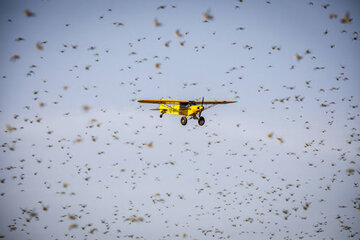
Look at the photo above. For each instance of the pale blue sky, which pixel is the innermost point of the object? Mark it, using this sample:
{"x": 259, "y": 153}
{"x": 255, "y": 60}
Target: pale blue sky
{"x": 227, "y": 176}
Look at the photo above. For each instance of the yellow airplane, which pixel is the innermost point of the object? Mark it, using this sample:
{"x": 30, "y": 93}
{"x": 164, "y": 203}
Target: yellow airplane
{"x": 186, "y": 108}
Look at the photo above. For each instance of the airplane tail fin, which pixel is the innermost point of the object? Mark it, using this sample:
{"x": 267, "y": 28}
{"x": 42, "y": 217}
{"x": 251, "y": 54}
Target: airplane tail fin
{"x": 163, "y": 108}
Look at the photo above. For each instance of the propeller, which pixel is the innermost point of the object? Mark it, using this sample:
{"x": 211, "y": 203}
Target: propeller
{"x": 202, "y": 105}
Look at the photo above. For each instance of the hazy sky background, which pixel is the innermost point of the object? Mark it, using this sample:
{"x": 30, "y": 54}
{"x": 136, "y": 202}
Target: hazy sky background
{"x": 281, "y": 163}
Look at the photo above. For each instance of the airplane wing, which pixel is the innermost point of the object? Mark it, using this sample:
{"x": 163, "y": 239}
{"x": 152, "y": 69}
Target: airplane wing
{"x": 163, "y": 101}
{"x": 214, "y": 102}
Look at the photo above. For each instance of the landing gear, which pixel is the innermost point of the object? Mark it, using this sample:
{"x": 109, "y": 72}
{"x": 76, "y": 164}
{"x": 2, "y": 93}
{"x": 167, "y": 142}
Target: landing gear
{"x": 201, "y": 121}
{"x": 161, "y": 115}
{"x": 183, "y": 121}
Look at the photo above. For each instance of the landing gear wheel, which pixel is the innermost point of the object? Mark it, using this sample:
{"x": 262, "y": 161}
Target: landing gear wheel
{"x": 161, "y": 115}
{"x": 201, "y": 121}
{"x": 183, "y": 121}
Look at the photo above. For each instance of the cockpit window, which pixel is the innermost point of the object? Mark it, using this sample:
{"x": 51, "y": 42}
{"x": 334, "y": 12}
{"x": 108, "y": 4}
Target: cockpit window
{"x": 183, "y": 106}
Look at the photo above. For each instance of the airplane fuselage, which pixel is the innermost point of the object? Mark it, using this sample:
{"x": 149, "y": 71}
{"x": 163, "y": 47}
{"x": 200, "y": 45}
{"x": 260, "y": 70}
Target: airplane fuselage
{"x": 181, "y": 109}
